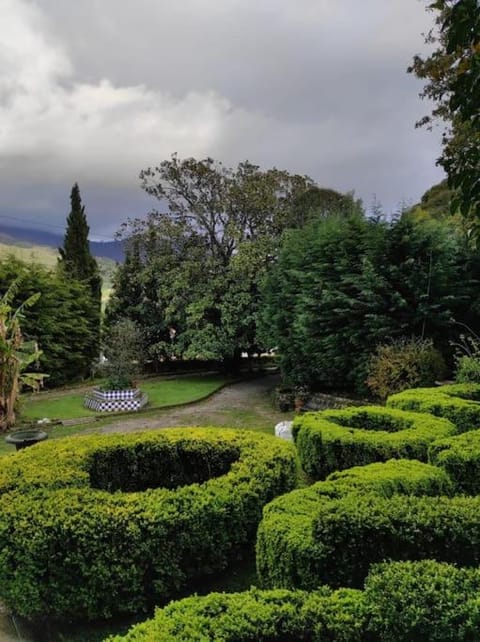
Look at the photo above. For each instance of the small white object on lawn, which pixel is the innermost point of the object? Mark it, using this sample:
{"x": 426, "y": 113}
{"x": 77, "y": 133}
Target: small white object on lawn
{"x": 284, "y": 430}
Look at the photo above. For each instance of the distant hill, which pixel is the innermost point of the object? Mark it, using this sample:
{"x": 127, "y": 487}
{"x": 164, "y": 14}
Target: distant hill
{"x": 12, "y": 235}
{"x": 42, "y": 247}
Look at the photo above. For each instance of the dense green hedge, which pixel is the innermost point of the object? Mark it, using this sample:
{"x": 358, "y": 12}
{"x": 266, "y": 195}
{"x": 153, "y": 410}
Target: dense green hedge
{"x": 69, "y": 549}
{"x": 422, "y": 602}
{"x": 314, "y": 535}
{"x": 413, "y": 602}
{"x": 460, "y": 456}
{"x": 289, "y": 616}
{"x": 457, "y": 402}
{"x": 337, "y": 439}
{"x": 354, "y": 532}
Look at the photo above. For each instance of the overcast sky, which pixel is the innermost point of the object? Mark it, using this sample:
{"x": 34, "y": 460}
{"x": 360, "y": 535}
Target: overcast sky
{"x": 95, "y": 90}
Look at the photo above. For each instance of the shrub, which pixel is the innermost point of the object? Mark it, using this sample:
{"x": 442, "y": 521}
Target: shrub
{"x": 467, "y": 358}
{"x": 257, "y": 615}
{"x": 460, "y": 457}
{"x": 290, "y": 553}
{"x": 337, "y": 439}
{"x": 124, "y": 355}
{"x": 418, "y": 601}
{"x": 456, "y": 402}
{"x": 405, "y": 363}
{"x": 468, "y": 369}
{"x": 129, "y": 550}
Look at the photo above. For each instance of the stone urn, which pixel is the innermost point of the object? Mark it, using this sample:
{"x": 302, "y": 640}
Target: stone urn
{"x": 24, "y": 438}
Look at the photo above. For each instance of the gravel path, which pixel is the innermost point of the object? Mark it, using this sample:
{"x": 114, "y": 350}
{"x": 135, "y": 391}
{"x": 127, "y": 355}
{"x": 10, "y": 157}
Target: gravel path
{"x": 251, "y": 395}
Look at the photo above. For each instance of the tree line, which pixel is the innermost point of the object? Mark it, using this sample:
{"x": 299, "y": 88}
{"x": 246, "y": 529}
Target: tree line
{"x": 65, "y": 320}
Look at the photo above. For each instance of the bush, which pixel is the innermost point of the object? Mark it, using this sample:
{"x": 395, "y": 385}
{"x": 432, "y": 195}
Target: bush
{"x": 291, "y": 553}
{"x": 337, "y": 439}
{"x": 123, "y": 350}
{"x": 468, "y": 370}
{"x": 418, "y": 601}
{"x": 467, "y": 358}
{"x": 456, "y": 402}
{"x": 460, "y": 457}
{"x": 405, "y": 363}
{"x": 129, "y": 550}
{"x": 257, "y": 615}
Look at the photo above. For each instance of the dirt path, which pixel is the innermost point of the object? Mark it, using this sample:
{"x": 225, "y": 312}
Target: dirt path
{"x": 228, "y": 407}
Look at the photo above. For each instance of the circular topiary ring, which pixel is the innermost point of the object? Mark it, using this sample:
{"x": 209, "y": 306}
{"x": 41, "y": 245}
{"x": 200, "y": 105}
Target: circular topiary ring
{"x": 457, "y": 402}
{"x": 333, "y": 440}
{"x": 94, "y": 526}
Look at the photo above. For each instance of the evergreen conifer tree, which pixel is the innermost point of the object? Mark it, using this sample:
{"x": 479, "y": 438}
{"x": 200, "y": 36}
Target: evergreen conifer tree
{"x": 77, "y": 262}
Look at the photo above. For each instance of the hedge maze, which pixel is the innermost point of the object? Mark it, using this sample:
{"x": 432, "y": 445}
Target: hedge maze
{"x": 385, "y": 546}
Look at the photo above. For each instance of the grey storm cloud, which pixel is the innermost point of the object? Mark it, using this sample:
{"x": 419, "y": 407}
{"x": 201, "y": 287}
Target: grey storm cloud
{"x": 95, "y": 91}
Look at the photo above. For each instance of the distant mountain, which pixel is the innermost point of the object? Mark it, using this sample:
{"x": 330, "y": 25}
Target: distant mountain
{"x": 12, "y": 235}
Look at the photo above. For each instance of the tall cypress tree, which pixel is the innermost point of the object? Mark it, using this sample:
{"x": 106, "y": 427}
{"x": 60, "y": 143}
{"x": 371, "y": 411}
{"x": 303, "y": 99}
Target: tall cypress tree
{"x": 77, "y": 262}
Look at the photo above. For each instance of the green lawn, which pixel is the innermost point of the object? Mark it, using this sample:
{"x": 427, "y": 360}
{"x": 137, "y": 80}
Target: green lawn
{"x": 161, "y": 392}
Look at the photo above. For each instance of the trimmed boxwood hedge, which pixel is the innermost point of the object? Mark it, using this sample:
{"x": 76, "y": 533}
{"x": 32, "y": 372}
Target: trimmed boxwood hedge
{"x": 337, "y": 439}
{"x": 99, "y": 525}
{"x": 423, "y": 601}
{"x": 254, "y": 615}
{"x": 407, "y": 601}
{"x": 457, "y": 402}
{"x": 294, "y": 552}
{"x": 460, "y": 456}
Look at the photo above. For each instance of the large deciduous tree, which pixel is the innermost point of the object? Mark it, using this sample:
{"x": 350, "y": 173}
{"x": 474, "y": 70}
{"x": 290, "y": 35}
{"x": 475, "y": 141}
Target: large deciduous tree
{"x": 225, "y": 206}
{"x": 204, "y": 256}
{"x": 452, "y": 74}
{"x": 77, "y": 262}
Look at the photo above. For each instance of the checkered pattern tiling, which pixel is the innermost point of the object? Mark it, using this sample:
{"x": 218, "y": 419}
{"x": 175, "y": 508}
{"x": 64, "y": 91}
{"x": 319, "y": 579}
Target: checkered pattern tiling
{"x": 115, "y": 400}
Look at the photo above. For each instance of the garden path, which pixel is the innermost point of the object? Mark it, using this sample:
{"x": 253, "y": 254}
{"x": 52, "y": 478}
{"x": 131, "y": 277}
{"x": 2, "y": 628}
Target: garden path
{"x": 230, "y": 406}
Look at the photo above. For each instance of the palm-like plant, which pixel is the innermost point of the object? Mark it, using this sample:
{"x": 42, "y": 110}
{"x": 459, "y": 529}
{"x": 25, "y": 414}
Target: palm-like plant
{"x": 16, "y": 355}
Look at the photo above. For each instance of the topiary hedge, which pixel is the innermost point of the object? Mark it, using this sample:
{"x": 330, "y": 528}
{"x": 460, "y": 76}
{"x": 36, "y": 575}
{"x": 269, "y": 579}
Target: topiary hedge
{"x": 254, "y": 615}
{"x": 338, "y": 439}
{"x": 414, "y": 601}
{"x": 420, "y": 601}
{"x": 326, "y": 532}
{"x": 100, "y": 525}
{"x": 460, "y": 403}
{"x": 460, "y": 457}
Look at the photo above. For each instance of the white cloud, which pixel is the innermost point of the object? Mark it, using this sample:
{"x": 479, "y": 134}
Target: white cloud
{"x": 102, "y": 131}
{"x": 93, "y": 92}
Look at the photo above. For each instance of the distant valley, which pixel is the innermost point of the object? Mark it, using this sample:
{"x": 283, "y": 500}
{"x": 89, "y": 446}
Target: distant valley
{"x": 28, "y": 237}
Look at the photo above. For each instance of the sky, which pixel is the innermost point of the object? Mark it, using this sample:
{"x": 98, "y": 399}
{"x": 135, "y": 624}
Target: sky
{"x": 97, "y": 90}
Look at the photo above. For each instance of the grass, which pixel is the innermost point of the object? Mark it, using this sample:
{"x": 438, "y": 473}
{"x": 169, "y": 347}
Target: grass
{"x": 161, "y": 392}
